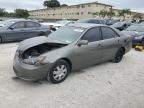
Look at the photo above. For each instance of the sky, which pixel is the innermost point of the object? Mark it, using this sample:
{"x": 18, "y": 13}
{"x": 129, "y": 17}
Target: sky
{"x": 11, "y": 5}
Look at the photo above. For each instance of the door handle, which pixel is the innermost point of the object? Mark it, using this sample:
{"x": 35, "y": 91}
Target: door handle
{"x": 99, "y": 45}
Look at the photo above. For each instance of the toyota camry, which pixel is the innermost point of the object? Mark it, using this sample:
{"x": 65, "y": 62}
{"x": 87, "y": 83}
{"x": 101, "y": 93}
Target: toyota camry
{"x": 72, "y": 47}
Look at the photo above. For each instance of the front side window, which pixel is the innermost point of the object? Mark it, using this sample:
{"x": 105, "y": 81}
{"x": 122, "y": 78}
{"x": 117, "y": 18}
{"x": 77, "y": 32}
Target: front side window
{"x": 92, "y": 35}
{"x": 32, "y": 24}
{"x": 18, "y": 25}
{"x": 108, "y": 33}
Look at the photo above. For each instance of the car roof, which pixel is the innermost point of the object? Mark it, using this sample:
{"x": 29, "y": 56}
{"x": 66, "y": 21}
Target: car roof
{"x": 17, "y": 20}
{"x": 85, "y": 25}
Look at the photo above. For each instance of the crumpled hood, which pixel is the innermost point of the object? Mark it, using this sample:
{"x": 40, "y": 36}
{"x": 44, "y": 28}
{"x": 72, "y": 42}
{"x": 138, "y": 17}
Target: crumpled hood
{"x": 28, "y": 43}
{"x": 133, "y": 33}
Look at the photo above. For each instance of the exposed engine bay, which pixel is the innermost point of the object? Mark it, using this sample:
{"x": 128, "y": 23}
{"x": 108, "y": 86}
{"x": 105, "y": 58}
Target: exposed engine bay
{"x": 40, "y": 49}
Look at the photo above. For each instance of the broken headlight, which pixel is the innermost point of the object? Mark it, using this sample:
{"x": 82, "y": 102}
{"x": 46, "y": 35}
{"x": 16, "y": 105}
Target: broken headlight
{"x": 35, "y": 60}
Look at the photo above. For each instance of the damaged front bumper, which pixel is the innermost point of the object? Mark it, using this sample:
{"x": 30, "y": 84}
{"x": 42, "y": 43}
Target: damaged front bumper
{"x": 30, "y": 72}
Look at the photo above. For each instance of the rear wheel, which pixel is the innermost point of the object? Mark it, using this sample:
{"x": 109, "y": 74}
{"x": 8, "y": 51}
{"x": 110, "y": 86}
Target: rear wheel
{"x": 118, "y": 56}
{"x": 0, "y": 40}
{"x": 59, "y": 72}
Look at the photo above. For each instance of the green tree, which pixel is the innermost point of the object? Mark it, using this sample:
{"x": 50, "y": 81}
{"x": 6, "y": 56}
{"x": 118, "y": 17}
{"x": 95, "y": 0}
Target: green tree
{"x": 94, "y": 14}
{"x": 51, "y": 3}
{"x": 21, "y": 13}
{"x": 138, "y": 16}
{"x": 110, "y": 14}
{"x": 103, "y": 13}
{"x": 2, "y": 12}
{"x": 124, "y": 12}
{"x": 64, "y": 5}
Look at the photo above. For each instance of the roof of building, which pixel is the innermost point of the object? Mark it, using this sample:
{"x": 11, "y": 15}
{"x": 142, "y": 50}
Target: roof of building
{"x": 93, "y": 3}
{"x": 78, "y": 5}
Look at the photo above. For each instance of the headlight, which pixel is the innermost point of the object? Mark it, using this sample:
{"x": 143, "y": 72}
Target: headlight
{"x": 35, "y": 61}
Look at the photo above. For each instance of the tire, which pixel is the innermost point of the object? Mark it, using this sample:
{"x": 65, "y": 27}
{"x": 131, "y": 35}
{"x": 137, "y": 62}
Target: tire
{"x": 118, "y": 56}
{"x": 58, "y": 72}
{"x": 0, "y": 40}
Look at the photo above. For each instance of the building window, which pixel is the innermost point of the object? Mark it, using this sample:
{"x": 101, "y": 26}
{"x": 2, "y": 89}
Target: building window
{"x": 89, "y": 12}
{"x": 89, "y": 5}
{"x": 82, "y": 13}
{"x": 82, "y": 6}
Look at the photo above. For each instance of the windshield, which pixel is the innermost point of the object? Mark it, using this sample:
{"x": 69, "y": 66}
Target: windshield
{"x": 137, "y": 28}
{"x": 67, "y": 34}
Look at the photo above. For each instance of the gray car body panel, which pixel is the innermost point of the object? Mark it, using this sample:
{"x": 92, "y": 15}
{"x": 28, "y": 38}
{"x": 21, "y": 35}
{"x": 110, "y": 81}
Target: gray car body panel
{"x": 79, "y": 57}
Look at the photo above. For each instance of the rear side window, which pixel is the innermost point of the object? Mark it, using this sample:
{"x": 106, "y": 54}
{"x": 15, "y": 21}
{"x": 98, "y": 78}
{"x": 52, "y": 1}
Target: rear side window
{"x": 108, "y": 33}
{"x": 32, "y": 24}
{"x": 92, "y": 35}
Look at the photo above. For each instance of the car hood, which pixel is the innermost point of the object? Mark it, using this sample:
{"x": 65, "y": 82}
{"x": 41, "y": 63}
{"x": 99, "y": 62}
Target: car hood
{"x": 133, "y": 33}
{"x": 28, "y": 43}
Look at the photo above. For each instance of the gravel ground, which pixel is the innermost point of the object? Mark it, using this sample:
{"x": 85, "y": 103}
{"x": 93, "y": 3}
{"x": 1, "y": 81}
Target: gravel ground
{"x": 106, "y": 85}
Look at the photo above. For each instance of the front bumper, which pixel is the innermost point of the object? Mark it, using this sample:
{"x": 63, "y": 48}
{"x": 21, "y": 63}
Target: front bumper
{"x": 30, "y": 72}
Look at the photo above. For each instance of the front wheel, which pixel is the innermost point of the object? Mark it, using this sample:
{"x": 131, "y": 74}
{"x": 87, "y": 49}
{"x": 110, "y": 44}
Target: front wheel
{"x": 118, "y": 56}
{"x": 58, "y": 72}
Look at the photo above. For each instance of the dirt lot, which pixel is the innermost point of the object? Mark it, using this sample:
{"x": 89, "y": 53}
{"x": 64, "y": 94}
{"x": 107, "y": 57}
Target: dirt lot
{"x": 106, "y": 85}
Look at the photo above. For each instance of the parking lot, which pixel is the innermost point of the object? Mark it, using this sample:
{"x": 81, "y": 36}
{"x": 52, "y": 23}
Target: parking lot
{"x": 106, "y": 85}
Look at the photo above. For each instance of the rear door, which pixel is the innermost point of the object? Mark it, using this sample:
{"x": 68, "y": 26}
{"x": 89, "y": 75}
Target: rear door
{"x": 17, "y": 32}
{"x": 110, "y": 43}
{"x": 33, "y": 29}
{"x": 90, "y": 54}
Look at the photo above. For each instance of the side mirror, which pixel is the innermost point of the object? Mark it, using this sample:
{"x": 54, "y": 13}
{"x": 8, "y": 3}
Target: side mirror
{"x": 83, "y": 42}
{"x": 11, "y": 28}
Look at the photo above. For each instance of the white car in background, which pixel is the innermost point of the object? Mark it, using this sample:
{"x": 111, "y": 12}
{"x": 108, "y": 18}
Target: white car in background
{"x": 58, "y": 24}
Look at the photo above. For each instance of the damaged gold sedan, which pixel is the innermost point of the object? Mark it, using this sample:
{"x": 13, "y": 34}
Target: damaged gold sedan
{"x": 72, "y": 47}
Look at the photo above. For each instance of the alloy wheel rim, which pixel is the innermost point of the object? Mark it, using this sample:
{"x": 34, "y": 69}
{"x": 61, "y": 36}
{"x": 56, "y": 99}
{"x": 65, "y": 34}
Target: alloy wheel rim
{"x": 60, "y": 72}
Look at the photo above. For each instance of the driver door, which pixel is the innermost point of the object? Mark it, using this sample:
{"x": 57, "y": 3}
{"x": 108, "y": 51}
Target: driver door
{"x": 87, "y": 55}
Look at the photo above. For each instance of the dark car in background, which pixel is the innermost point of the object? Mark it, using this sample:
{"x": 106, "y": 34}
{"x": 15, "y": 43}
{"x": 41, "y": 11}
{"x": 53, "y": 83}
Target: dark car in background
{"x": 137, "y": 32}
{"x": 121, "y": 25}
{"x": 92, "y": 21}
{"x": 20, "y": 29}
